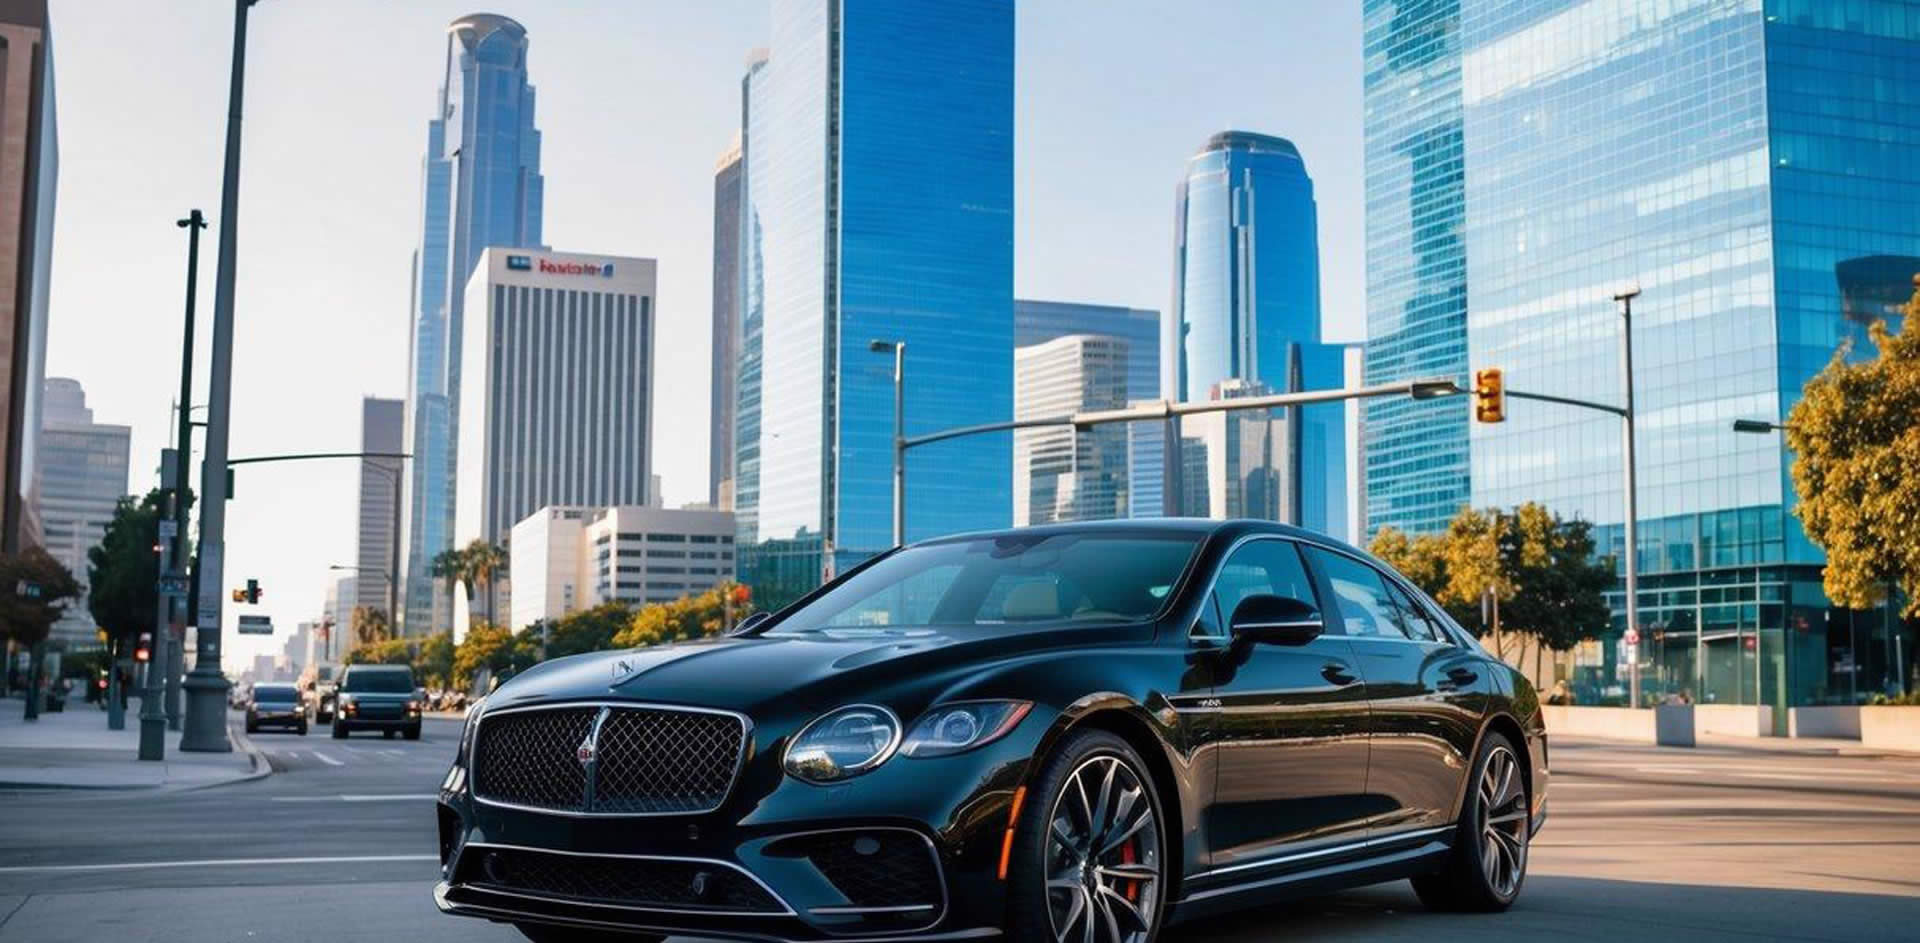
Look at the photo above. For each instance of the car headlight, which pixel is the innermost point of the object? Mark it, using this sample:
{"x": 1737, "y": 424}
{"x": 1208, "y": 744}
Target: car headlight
{"x": 957, "y": 728}
{"x": 843, "y": 743}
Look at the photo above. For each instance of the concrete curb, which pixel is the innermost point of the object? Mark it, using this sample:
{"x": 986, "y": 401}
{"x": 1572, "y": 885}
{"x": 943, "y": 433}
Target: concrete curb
{"x": 258, "y": 768}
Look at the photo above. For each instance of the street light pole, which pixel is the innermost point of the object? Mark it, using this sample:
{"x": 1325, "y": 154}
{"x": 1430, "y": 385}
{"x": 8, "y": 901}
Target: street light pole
{"x": 899, "y": 351}
{"x": 183, "y": 467}
{"x": 206, "y": 723}
{"x": 1625, "y": 299}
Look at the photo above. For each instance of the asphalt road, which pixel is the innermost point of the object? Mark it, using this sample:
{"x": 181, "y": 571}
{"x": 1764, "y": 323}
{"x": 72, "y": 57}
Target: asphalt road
{"x": 1643, "y": 844}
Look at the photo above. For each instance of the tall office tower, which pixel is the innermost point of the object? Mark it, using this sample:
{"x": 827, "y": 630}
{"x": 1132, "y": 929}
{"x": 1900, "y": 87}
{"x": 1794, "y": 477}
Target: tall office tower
{"x": 382, "y": 430}
{"x": 726, "y": 324}
{"x": 879, "y": 206}
{"x": 1036, "y": 322}
{"x": 559, "y": 410}
{"x": 1735, "y": 160}
{"x": 572, "y": 558}
{"x": 29, "y": 168}
{"x": 481, "y": 186}
{"x": 336, "y": 618}
{"x": 1060, "y": 473}
{"x": 83, "y": 475}
{"x": 1246, "y": 307}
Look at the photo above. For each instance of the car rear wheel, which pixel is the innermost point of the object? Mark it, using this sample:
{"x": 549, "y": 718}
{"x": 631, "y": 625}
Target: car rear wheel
{"x": 541, "y": 933}
{"x": 413, "y": 732}
{"x": 339, "y": 729}
{"x": 1489, "y": 860}
{"x": 1087, "y": 863}
{"x": 303, "y": 728}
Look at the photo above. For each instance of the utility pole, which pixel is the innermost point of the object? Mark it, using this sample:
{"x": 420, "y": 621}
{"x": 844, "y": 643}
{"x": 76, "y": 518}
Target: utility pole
{"x": 206, "y": 724}
{"x": 183, "y": 471}
{"x": 1633, "y": 510}
{"x": 899, "y": 351}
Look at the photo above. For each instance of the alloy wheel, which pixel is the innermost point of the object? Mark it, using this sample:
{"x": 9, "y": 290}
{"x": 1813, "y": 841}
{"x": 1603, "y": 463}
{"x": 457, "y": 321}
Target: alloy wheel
{"x": 1103, "y": 856}
{"x": 1503, "y": 822}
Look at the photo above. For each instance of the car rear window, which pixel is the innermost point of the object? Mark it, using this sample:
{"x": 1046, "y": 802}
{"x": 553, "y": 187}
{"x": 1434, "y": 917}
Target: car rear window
{"x": 378, "y": 681}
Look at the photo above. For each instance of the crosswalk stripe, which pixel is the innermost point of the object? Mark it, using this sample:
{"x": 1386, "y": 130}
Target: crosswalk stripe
{"x": 330, "y": 761}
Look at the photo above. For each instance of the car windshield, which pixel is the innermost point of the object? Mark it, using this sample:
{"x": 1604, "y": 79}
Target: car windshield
{"x": 1016, "y": 579}
{"x": 274, "y": 693}
{"x": 378, "y": 682}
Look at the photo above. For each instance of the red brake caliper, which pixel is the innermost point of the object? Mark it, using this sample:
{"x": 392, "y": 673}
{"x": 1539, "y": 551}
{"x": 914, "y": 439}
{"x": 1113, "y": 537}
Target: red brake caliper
{"x": 1128, "y": 856}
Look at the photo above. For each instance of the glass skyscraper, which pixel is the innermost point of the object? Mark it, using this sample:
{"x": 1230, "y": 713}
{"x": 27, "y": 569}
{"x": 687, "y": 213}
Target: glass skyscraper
{"x": 879, "y": 205}
{"x": 481, "y": 186}
{"x": 1749, "y": 166}
{"x": 1246, "y": 308}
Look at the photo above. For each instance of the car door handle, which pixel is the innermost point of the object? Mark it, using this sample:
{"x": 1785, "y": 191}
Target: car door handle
{"x": 1459, "y": 678}
{"x": 1337, "y": 673}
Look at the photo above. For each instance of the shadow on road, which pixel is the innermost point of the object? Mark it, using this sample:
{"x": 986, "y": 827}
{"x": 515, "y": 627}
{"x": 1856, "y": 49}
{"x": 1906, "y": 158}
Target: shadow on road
{"x": 1566, "y": 908}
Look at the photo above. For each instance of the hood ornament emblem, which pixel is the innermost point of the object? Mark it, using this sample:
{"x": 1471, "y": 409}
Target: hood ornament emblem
{"x": 585, "y": 753}
{"x": 623, "y": 671}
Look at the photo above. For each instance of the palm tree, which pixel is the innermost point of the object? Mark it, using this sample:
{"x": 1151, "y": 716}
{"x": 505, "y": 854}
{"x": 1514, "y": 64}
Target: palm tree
{"x": 484, "y": 562}
{"x": 451, "y": 565}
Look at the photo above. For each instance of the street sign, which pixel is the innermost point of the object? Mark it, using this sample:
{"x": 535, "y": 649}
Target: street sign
{"x": 173, "y": 586}
{"x": 169, "y": 529}
{"x": 1632, "y": 637}
{"x": 256, "y": 625}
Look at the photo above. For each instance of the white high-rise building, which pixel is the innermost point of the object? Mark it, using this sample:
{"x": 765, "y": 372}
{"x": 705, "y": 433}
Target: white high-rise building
{"x": 1060, "y": 473}
{"x": 565, "y": 559}
{"x": 83, "y": 474}
{"x": 556, "y": 407}
{"x": 382, "y": 430}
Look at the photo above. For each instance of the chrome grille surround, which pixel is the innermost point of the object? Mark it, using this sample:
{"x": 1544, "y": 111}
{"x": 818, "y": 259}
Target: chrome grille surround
{"x": 640, "y": 739}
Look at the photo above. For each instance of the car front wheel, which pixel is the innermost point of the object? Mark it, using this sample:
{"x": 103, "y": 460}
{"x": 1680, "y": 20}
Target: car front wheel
{"x": 1489, "y": 859}
{"x": 1087, "y": 861}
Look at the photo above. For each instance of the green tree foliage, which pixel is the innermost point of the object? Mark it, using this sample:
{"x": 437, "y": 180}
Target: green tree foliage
{"x": 451, "y": 565}
{"x": 123, "y": 571}
{"x": 589, "y": 630}
{"x": 689, "y": 617}
{"x": 1855, "y": 434}
{"x": 393, "y": 651}
{"x": 433, "y": 665}
{"x": 370, "y": 626}
{"x": 1540, "y": 566}
{"x": 481, "y": 565}
{"x": 28, "y": 618}
{"x": 491, "y": 647}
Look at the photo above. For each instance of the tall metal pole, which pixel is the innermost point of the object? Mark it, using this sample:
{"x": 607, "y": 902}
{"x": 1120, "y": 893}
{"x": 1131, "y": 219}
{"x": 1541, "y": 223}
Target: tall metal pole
{"x": 1633, "y": 509}
{"x": 900, "y": 443}
{"x": 153, "y": 715}
{"x": 182, "y": 472}
{"x": 206, "y": 726}
{"x": 393, "y": 559}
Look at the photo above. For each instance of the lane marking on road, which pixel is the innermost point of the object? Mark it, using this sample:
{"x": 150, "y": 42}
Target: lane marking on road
{"x": 364, "y": 797}
{"x": 212, "y": 863}
{"x": 330, "y": 761}
{"x": 403, "y": 753}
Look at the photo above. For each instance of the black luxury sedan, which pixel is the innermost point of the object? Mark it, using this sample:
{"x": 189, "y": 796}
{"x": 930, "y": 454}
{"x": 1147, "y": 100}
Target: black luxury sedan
{"x": 1079, "y": 732}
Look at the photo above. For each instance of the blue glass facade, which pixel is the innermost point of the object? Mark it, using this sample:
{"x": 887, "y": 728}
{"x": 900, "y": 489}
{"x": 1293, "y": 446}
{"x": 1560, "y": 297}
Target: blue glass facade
{"x": 879, "y": 150}
{"x": 1036, "y": 322}
{"x": 1247, "y": 303}
{"x": 481, "y": 186}
{"x": 1749, "y": 166}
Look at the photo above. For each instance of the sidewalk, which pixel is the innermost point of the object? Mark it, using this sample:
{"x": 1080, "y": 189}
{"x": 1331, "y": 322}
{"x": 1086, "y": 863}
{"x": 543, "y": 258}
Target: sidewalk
{"x": 73, "y": 749}
{"x": 1722, "y": 743}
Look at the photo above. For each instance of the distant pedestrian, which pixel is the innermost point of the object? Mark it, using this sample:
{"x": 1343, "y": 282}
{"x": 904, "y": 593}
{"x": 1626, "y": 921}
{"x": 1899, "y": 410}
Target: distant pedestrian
{"x": 1562, "y": 695}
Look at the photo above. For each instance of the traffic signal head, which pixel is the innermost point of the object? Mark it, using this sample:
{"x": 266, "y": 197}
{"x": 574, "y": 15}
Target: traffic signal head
{"x": 1489, "y": 395}
{"x": 253, "y": 591}
{"x": 143, "y": 650}
{"x": 239, "y": 595}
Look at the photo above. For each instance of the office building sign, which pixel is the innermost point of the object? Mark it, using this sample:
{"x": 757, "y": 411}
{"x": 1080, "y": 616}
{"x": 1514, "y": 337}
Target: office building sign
{"x": 556, "y": 267}
{"x": 520, "y": 263}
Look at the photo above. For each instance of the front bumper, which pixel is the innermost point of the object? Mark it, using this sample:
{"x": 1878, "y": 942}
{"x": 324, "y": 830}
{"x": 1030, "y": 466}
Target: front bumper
{"x": 279, "y": 719}
{"x": 909, "y": 851}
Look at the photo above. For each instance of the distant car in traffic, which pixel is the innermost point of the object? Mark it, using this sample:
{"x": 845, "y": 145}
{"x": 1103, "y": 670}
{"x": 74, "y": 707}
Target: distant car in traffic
{"x": 276, "y": 705}
{"x": 377, "y": 697}
{"x": 321, "y": 684}
{"x": 1078, "y": 733}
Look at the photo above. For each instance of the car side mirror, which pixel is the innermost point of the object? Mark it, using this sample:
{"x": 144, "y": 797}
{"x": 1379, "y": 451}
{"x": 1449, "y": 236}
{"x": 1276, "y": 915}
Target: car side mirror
{"x": 752, "y": 622}
{"x": 1276, "y": 620}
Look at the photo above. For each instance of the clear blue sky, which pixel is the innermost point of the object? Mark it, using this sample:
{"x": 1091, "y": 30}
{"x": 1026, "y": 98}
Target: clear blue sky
{"x": 637, "y": 99}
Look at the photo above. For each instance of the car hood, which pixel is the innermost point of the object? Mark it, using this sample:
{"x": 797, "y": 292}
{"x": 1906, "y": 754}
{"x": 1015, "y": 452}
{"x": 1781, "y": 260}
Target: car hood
{"x": 744, "y": 673}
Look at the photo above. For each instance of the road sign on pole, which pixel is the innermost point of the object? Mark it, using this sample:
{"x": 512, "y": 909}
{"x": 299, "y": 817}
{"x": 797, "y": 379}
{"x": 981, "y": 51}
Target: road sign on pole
{"x": 256, "y": 625}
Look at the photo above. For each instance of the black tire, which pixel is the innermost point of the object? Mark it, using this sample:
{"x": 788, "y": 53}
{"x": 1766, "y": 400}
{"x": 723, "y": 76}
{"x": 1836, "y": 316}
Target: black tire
{"x": 387, "y": 734}
{"x": 1488, "y": 865}
{"x": 541, "y": 933}
{"x": 413, "y": 732}
{"x": 1092, "y": 784}
{"x": 252, "y": 727}
{"x": 339, "y": 729}
{"x": 303, "y": 729}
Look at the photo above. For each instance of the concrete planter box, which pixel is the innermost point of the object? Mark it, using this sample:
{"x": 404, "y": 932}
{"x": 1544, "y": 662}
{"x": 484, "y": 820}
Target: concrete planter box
{"x": 1733, "y": 720}
{"x": 1839, "y": 723}
{"x": 1612, "y": 723}
{"x": 1890, "y": 728}
{"x": 1674, "y": 725}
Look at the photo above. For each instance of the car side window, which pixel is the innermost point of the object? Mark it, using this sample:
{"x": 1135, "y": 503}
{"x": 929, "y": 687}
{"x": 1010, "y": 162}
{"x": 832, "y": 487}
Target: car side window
{"x": 1366, "y": 608}
{"x": 1271, "y": 567}
{"x": 1413, "y": 617}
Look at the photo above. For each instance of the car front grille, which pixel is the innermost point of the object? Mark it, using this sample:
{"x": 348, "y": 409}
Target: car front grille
{"x": 655, "y": 883}
{"x": 608, "y": 759}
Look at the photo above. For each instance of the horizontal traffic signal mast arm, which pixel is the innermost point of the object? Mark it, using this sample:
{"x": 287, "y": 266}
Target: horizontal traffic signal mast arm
{"x": 1566, "y": 401}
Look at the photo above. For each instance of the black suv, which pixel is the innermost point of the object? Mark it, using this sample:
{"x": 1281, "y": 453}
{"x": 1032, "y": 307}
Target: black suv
{"x": 276, "y": 705}
{"x": 377, "y": 697}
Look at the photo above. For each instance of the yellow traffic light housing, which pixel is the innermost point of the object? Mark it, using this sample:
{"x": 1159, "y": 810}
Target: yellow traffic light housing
{"x": 1489, "y": 395}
